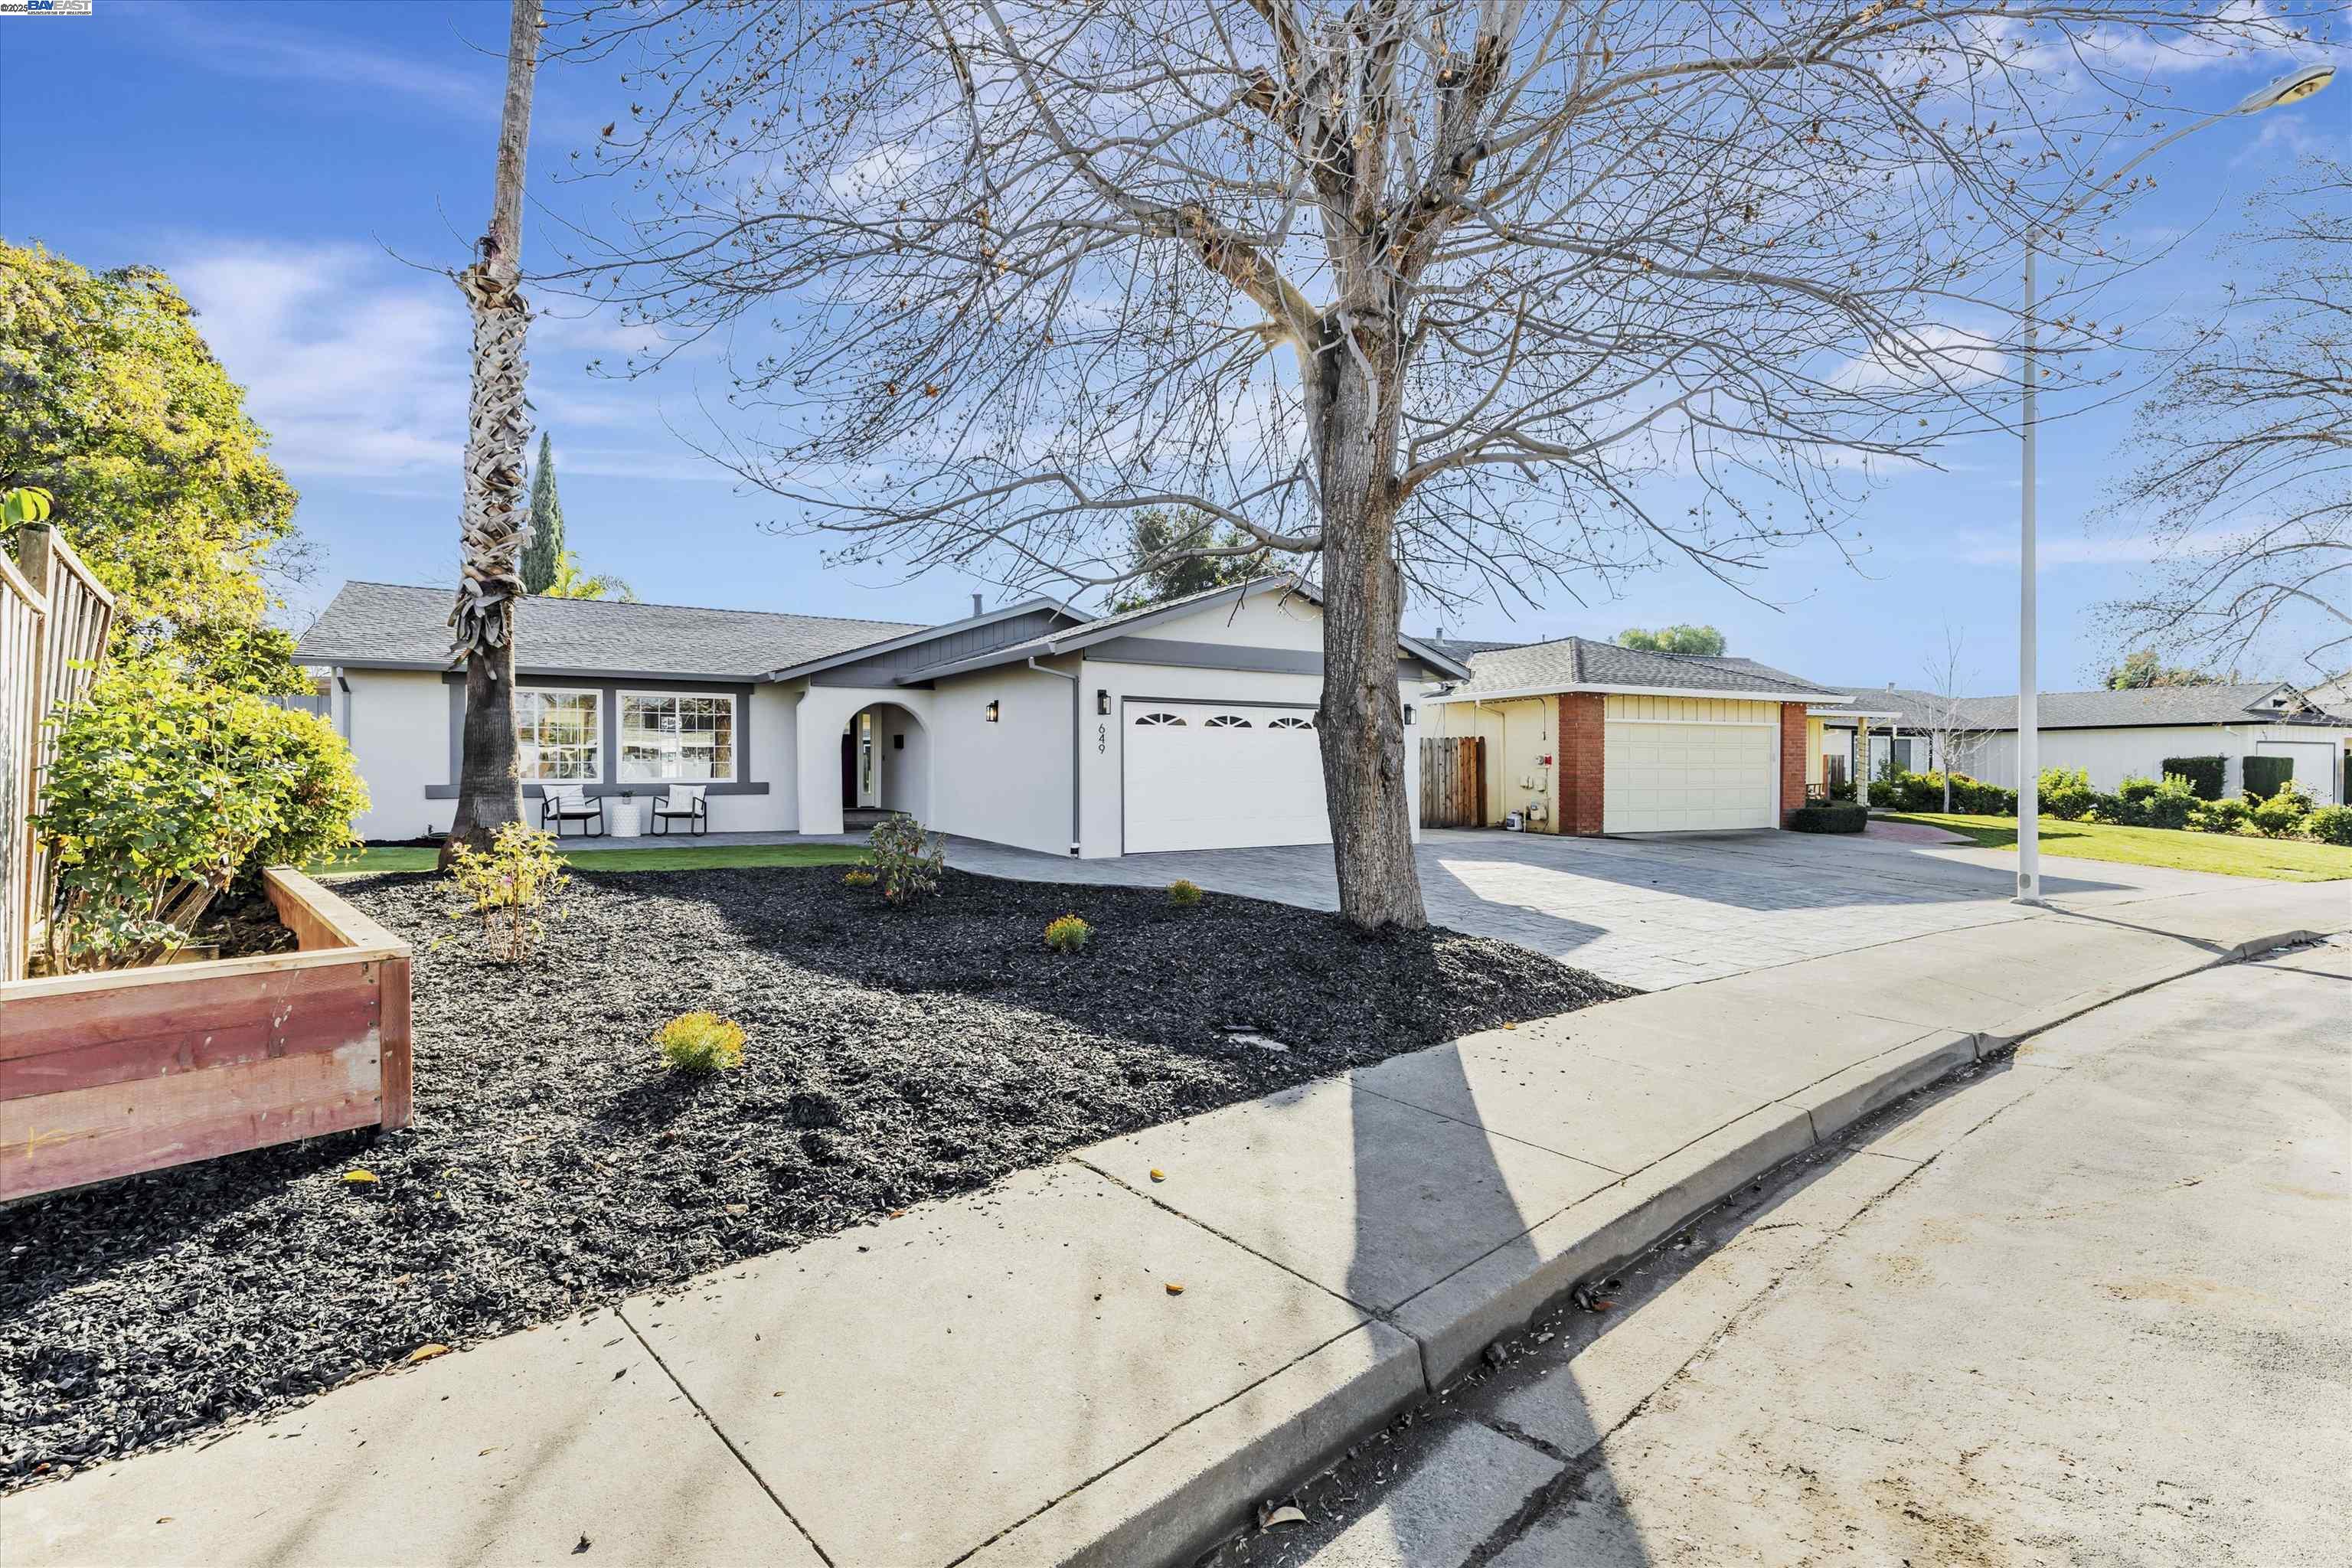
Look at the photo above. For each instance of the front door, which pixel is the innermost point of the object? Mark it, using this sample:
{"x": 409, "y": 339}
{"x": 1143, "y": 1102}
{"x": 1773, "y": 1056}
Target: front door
{"x": 848, "y": 771}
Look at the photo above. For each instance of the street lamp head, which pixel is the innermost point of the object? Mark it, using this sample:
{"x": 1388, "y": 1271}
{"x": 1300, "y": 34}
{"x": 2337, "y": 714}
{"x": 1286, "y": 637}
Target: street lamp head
{"x": 2292, "y": 88}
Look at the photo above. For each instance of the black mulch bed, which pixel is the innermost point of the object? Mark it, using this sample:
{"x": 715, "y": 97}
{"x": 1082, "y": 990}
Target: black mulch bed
{"x": 894, "y": 1056}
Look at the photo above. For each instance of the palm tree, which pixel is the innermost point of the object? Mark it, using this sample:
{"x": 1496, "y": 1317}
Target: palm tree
{"x": 489, "y": 793}
{"x": 571, "y": 582}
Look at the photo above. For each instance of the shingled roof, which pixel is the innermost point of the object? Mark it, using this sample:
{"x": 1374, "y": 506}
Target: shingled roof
{"x": 1580, "y": 664}
{"x": 389, "y": 626}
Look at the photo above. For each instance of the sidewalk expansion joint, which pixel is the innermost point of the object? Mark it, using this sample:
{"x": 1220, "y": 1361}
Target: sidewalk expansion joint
{"x": 1234, "y": 1241}
{"x": 750, "y": 1469}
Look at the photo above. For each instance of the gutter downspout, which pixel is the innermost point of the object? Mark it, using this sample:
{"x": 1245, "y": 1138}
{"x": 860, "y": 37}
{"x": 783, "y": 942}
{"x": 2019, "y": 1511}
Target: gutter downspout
{"x": 1077, "y": 723}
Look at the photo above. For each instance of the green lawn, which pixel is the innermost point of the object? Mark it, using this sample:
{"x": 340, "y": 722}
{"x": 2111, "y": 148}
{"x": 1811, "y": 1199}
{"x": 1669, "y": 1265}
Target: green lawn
{"x": 686, "y": 857}
{"x": 2232, "y": 855}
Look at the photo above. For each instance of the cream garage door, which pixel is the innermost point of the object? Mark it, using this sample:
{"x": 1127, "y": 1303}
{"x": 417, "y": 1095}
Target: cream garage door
{"x": 1664, "y": 778}
{"x": 1201, "y": 776}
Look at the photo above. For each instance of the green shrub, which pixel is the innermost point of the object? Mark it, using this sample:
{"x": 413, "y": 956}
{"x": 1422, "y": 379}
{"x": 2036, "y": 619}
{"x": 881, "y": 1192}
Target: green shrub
{"x": 2115, "y": 810}
{"x": 2266, "y": 776}
{"x": 2066, "y": 793}
{"x": 906, "y": 861}
{"x": 508, "y": 887}
{"x": 1837, "y": 816}
{"x": 1067, "y": 933}
{"x": 162, "y": 795}
{"x": 2205, "y": 775}
{"x": 2331, "y": 824}
{"x": 2170, "y": 802}
{"x": 2280, "y": 816}
{"x": 1886, "y": 794}
{"x": 2219, "y": 817}
{"x": 859, "y": 877}
{"x": 2138, "y": 789}
{"x": 699, "y": 1043}
{"x": 1184, "y": 893}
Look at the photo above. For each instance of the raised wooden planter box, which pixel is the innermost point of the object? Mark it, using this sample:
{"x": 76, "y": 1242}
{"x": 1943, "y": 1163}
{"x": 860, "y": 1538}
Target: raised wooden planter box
{"x": 109, "y": 1075}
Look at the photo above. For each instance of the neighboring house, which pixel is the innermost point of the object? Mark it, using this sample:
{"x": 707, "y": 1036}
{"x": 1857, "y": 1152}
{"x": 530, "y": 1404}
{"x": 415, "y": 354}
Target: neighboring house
{"x": 1585, "y": 737}
{"x": 1185, "y": 725}
{"x": 2113, "y": 735}
{"x": 1861, "y": 733}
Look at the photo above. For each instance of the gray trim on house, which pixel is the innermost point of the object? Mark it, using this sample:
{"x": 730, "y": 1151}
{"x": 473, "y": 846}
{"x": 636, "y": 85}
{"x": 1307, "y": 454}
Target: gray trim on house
{"x": 1225, "y": 656}
{"x": 608, "y": 750}
{"x": 958, "y": 634}
{"x": 891, "y": 666}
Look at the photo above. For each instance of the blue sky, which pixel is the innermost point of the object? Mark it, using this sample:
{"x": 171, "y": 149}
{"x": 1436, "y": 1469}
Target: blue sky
{"x": 303, "y": 168}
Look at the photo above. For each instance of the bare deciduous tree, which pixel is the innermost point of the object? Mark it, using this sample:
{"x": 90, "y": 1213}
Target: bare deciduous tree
{"x": 1941, "y": 717}
{"x": 2243, "y": 468}
{"x": 490, "y": 527}
{"x": 1447, "y": 296}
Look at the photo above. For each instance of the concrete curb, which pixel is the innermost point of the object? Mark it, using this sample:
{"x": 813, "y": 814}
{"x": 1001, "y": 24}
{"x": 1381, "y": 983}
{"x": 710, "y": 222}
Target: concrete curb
{"x": 1176, "y": 1501}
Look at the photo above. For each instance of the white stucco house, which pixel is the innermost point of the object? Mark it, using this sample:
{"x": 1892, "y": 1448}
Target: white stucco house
{"x": 2111, "y": 735}
{"x": 1186, "y": 725}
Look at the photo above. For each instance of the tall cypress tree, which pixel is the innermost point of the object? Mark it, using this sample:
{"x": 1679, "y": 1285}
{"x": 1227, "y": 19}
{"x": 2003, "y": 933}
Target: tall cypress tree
{"x": 546, "y": 545}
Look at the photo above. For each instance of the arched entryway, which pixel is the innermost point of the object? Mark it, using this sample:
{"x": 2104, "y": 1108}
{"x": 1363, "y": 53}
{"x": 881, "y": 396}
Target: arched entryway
{"x": 885, "y": 765}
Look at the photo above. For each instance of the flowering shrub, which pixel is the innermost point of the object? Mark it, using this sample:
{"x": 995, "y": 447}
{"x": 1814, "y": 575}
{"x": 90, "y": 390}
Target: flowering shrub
{"x": 1068, "y": 933}
{"x": 699, "y": 1043}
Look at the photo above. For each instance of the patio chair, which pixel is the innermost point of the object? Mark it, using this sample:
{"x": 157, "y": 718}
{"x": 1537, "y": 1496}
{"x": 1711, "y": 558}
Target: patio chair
{"x": 560, "y": 804}
{"x": 686, "y": 801}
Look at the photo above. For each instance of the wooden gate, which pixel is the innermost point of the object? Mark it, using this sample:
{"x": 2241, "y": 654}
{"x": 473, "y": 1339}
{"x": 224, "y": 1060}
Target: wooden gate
{"x": 1453, "y": 781}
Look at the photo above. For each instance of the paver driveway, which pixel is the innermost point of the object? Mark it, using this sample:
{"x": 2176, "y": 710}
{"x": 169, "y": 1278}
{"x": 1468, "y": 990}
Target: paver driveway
{"x": 1654, "y": 911}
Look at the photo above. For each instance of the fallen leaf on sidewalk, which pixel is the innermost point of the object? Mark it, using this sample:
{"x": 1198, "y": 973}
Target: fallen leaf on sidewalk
{"x": 1269, "y": 1516}
{"x": 426, "y": 1353}
{"x": 359, "y": 1178}
{"x": 584, "y": 1544}
{"x": 1158, "y": 1175}
{"x": 1174, "y": 1288}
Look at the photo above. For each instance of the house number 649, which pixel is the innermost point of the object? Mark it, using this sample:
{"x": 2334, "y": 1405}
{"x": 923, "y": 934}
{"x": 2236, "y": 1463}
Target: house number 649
{"x": 1102, "y": 738}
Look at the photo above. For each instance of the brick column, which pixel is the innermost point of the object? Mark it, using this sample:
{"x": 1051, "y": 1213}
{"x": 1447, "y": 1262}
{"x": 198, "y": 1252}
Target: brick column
{"x": 1793, "y": 759}
{"x": 1581, "y": 730}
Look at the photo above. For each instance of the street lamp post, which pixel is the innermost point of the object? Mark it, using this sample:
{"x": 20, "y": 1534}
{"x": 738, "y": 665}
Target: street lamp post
{"x": 2293, "y": 88}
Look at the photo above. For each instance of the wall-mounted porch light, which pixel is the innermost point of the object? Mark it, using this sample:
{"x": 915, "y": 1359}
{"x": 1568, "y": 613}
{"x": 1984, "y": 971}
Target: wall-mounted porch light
{"x": 1408, "y": 712}
{"x": 1102, "y": 703}
{"x": 991, "y": 711}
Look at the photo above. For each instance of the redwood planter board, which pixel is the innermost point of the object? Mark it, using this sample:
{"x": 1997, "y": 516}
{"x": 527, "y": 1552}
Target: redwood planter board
{"x": 109, "y": 1075}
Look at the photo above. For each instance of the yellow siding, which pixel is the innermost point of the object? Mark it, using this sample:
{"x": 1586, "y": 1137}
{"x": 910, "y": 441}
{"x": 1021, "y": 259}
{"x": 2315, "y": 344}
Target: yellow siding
{"x": 1813, "y": 750}
{"x": 1517, "y": 731}
{"x": 1693, "y": 711}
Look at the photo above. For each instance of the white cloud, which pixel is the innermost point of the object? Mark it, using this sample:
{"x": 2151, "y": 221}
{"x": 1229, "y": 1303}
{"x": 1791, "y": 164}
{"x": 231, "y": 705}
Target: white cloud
{"x": 280, "y": 53}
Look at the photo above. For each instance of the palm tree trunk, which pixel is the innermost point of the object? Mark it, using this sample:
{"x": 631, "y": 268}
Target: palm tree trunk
{"x": 490, "y": 794}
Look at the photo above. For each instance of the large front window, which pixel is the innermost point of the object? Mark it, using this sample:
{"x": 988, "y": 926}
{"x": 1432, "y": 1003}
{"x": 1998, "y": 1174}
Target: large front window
{"x": 674, "y": 735}
{"x": 556, "y": 734}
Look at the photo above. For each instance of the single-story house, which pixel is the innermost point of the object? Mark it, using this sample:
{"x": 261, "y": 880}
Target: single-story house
{"x": 1188, "y": 724}
{"x": 2110, "y": 735}
{"x": 1584, "y": 737}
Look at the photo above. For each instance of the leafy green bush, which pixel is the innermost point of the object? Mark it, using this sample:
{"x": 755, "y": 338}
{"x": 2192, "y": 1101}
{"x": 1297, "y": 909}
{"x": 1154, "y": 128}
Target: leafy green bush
{"x": 1886, "y": 795}
{"x": 1836, "y": 816}
{"x": 1067, "y": 933}
{"x": 2219, "y": 817}
{"x": 1184, "y": 893}
{"x": 2205, "y": 775}
{"x": 508, "y": 887}
{"x": 2266, "y": 776}
{"x": 699, "y": 1043}
{"x": 2066, "y": 793}
{"x": 907, "y": 859}
{"x": 2280, "y": 816}
{"x": 162, "y": 795}
{"x": 2171, "y": 802}
{"x": 2138, "y": 789}
{"x": 2331, "y": 824}
{"x": 2115, "y": 810}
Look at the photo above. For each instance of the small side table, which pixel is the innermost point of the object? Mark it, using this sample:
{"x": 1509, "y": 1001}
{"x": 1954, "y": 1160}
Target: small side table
{"x": 623, "y": 818}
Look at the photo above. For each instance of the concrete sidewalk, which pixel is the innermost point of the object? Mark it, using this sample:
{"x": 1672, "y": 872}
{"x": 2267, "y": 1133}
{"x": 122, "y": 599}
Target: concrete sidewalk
{"x": 1013, "y": 1378}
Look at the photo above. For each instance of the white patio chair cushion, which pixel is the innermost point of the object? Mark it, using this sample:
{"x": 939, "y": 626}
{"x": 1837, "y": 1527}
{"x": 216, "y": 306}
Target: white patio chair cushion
{"x": 569, "y": 797}
{"x": 684, "y": 797}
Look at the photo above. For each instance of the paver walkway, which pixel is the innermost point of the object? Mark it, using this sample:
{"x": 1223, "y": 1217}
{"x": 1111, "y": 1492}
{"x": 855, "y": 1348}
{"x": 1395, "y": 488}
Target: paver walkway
{"x": 1011, "y": 1378}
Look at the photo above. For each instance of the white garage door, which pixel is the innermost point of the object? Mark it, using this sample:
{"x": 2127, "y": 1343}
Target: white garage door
{"x": 2314, "y": 766}
{"x": 1201, "y": 776}
{"x": 1664, "y": 778}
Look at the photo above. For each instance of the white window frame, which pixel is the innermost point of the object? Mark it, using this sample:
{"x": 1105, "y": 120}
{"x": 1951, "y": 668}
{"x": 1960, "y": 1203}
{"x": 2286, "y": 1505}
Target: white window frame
{"x": 526, "y": 695}
{"x": 622, "y": 771}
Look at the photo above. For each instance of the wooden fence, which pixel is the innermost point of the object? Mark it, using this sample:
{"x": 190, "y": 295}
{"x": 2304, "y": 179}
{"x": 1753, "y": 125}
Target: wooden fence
{"x": 1454, "y": 781}
{"x": 54, "y": 618}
